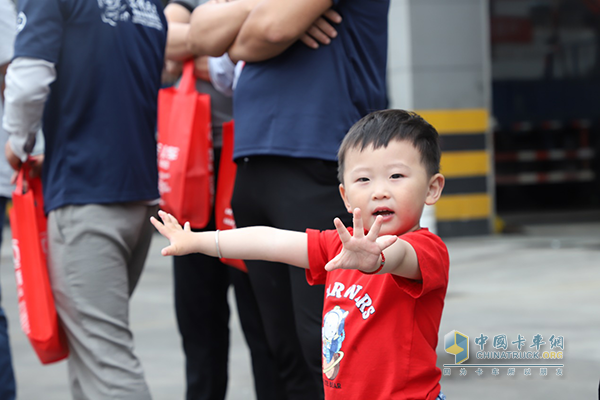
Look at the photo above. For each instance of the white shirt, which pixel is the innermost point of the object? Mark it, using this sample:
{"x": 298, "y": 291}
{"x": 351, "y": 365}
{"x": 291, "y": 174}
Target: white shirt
{"x": 8, "y": 31}
{"x": 224, "y": 74}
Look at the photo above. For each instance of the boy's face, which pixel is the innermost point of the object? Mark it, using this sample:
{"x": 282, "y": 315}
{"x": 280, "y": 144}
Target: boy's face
{"x": 391, "y": 182}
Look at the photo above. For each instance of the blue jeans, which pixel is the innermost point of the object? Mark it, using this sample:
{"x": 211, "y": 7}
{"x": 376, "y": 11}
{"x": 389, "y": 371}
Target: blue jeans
{"x": 7, "y": 377}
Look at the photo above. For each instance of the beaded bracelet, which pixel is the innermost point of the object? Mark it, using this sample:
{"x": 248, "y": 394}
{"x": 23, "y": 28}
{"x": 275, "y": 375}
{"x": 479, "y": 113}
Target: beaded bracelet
{"x": 378, "y": 269}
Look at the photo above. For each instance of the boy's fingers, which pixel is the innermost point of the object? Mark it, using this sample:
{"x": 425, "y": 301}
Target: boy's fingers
{"x": 169, "y": 220}
{"x": 159, "y": 227}
{"x": 386, "y": 241}
{"x": 375, "y": 229}
{"x": 342, "y": 231}
{"x": 330, "y": 266}
{"x": 167, "y": 251}
{"x": 333, "y": 263}
{"x": 359, "y": 231}
{"x": 165, "y": 216}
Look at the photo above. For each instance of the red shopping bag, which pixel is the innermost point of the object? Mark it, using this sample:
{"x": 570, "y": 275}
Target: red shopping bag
{"x": 37, "y": 312}
{"x": 225, "y": 182}
{"x": 185, "y": 154}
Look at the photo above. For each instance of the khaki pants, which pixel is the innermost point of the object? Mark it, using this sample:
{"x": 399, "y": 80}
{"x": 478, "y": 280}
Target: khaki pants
{"x": 96, "y": 254}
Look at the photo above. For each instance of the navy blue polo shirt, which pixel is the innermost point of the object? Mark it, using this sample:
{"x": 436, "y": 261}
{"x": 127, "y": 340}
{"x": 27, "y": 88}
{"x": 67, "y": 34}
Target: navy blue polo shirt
{"x": 302, "y": 102}
{"x": 100, "y": 118}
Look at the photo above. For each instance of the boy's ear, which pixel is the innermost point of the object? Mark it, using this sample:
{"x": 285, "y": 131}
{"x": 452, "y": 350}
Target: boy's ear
{"x": 343, "y": 194}
{"x": 436, "y": 185}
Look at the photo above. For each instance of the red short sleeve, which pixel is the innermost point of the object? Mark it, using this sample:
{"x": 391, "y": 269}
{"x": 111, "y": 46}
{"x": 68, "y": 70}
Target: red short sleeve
{"x": 433, "y": 262}
{"x": 322, "y": 247}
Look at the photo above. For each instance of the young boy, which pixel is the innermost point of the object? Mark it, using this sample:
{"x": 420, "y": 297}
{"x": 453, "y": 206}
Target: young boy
{"x": 385, "y": 279}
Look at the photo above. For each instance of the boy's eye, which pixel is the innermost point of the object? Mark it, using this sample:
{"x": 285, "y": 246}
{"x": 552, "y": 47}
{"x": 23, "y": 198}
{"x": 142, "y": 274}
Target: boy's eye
{"x": 397, "y": 176}
{"x": 362, "y": 179}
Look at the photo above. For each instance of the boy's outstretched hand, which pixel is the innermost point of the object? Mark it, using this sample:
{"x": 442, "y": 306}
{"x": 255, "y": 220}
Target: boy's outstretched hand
{"x": 183, "y": 240}
{"x": 360, "y": 252}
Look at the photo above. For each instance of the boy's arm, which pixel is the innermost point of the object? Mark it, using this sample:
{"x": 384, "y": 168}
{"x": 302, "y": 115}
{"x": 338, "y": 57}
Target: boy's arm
{"x": 253, "y": 243}
{"x": 363, "y": 252}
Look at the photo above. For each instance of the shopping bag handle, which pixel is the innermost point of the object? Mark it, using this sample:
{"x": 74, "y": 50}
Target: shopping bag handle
{"x": 22, "y": 175}
{"x": 187, "y": 84}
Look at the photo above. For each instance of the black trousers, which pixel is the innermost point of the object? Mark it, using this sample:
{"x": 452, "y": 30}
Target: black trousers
{"x": 201, "y": 284}
{"x": 293, "y": 194}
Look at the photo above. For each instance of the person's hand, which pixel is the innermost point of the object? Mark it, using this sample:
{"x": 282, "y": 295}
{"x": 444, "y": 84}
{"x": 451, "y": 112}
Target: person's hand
{"x": 360, "y": 252}
{"x": 35, "y": 165}
{"x": 171, "y": 71}
{"x": 181, "y": 239}
{"x": 321, "y": 31}
{"x": 201, "y": 68}
{"x": 11, "y": 157}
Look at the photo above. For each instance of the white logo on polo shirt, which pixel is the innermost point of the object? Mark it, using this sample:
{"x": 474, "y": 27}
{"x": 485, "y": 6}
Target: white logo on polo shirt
{"x": 21, "y": 21}
{"x": 142, "y": 12}
{"x": 113, "y": 11}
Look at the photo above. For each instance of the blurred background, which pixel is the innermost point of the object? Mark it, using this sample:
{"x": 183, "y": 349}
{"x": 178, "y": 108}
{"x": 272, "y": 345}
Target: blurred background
{"x": 512, "y": 87}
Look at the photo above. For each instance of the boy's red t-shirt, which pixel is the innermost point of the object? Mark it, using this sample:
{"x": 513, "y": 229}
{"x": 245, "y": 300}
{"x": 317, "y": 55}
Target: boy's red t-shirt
{"x": 380, "y": 332}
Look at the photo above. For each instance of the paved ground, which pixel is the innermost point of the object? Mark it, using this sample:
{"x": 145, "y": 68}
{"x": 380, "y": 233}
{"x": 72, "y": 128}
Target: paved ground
{"x": 544, "y": 280}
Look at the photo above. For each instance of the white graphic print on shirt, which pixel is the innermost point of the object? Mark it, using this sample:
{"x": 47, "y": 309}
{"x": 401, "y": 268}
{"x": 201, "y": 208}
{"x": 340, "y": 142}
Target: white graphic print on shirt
{"x": 141, "y": 12}
{"x": 363, "y": 302}
{"x": 333, "y": 335}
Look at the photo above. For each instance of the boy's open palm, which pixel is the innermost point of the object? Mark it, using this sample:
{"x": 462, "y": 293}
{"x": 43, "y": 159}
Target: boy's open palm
{"x": 182, "y": 239}
{"x": 360, "y": 251}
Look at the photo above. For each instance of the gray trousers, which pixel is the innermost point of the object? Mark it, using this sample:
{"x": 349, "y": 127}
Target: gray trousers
{"x": 96, "y": 254}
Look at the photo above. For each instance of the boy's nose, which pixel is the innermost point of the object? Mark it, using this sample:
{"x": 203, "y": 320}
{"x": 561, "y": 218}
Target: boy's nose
{"x": 380, "y": 192}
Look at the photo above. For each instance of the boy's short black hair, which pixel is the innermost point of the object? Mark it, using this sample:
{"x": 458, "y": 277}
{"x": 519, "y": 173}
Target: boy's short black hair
{"x": 379, "y": 128}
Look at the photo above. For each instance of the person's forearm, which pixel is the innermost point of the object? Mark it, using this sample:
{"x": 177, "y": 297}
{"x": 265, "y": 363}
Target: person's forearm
{"x": 3, "y": 68}
{"x": 27, "y": 88}
{"x": 177, "y": 48}
{"x": 178, "y": 18}
{"x": 253, "y": 48}
{"x": 272, "y": 26}
{"x": 213, "y": 27}
{"x": 258, "y": 243}
{"x": 401, "y": 260}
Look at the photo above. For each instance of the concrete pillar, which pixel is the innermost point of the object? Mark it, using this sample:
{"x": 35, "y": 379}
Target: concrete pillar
{"x": 439, "y": 66}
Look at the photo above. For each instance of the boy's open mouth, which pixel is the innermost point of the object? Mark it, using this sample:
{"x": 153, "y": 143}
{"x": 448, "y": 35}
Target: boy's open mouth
{"x": 383, "y": 212}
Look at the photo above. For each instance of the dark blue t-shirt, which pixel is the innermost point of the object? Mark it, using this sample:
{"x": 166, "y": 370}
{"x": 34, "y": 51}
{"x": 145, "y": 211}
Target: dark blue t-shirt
{"x": 100, "y": 118}
{"x": 302, "y": 102}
